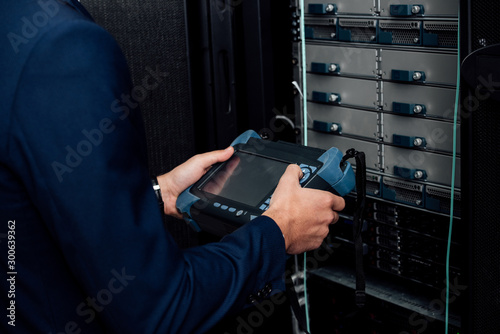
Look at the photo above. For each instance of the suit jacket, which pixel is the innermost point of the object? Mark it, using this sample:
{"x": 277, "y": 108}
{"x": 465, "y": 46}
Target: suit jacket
{"x": 81, "y": 239}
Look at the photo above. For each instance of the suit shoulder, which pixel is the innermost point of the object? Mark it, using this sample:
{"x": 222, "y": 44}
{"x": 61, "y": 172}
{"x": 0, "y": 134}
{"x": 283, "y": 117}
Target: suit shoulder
{"x": 25, "y": 23}
{"x": 45, "y": 34}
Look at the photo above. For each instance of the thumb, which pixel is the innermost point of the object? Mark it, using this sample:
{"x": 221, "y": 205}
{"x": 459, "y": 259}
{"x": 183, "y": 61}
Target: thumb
{"x": 210, "y": 158}
{"x": 292, "y": 173}
{"x": 223, "y": 155}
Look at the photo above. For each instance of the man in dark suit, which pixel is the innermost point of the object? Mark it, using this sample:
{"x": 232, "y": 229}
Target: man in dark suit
{"x": 81, "y": 239}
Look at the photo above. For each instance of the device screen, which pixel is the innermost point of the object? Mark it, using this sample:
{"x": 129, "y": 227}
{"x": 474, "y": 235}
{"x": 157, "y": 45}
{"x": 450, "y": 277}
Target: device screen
{"x": 245, "y": 178}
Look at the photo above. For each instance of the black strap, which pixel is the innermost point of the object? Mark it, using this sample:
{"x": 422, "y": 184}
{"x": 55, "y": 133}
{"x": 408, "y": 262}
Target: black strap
{"x": 294, "y": 300}
{"x": 360, "y": 295}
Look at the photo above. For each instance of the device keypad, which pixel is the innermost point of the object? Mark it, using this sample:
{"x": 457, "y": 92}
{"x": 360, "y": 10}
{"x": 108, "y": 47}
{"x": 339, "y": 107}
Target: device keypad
{"x": 223, "y": 207}
{"x": 307, "y": 171}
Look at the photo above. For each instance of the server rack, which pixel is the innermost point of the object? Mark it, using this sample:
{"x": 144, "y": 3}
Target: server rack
{"x": 381, "y": 77}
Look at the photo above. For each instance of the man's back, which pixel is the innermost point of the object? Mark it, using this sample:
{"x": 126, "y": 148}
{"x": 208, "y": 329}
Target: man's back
{"x": 88, "y": 249}
{"x": 37, "y": 269}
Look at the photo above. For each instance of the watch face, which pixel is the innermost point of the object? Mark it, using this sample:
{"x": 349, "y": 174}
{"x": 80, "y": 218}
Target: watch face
{"x": 245, "y": 178}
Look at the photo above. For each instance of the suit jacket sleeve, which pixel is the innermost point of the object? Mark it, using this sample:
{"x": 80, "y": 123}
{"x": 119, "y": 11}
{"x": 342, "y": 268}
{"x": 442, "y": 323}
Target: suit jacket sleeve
{"x": 78, "y": 143}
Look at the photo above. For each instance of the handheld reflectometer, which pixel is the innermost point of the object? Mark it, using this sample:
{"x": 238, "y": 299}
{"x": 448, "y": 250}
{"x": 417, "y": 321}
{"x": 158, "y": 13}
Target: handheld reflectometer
{"x": 238, "y": 190}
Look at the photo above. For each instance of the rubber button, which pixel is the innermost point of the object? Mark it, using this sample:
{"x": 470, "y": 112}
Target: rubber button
{"x": 305, "y": 177}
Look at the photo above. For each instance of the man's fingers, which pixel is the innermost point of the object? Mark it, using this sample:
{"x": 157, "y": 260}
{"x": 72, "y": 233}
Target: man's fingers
{"x": 293, "y": 172}
{"x": 336, "y": 217}
{"x": 338, "y": 203}
{"x": 328, "y": 199}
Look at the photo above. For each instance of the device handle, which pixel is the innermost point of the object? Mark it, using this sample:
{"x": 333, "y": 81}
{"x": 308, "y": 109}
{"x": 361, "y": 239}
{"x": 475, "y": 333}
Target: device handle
{"x": 184, "y": 203}
{"x": 245, "y": 137}
{"x": 342, "y": 180}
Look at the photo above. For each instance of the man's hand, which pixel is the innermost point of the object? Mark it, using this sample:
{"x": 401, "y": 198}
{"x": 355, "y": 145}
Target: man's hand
{"x": 173, "y": 183}
{"x": 302, "y": 214}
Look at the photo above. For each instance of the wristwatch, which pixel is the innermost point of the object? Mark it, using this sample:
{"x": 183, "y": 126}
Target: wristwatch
{"x": 156, "y": 188}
